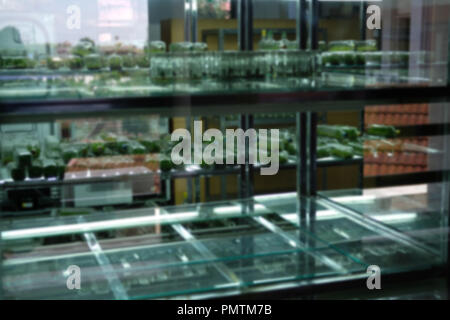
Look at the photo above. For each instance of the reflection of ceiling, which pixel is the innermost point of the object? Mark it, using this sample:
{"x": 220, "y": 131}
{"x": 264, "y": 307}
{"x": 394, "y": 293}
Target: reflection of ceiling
{"x": 125, "y": 20}
{"x": 115, "y": 13}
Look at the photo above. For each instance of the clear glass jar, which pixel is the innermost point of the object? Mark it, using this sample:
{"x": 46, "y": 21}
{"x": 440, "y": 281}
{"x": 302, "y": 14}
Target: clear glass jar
{"x": 157, "y": 47}
{"x": 200, "y": 47}
{"x": 330, "y": 59}
{"x": 360, "y": 58}
{"x": 259, "y": 64}
{"x": 93, "y": 62}
{"x": 374, "y": 59}
{"x": 142, "y": 61}
{"x": 366, "y": 45}
{"x": 341, "y": 58}
{"x": 161, "y": 68}
{"x": 17, "y": 62}
{"x": 129, "y": 61}
{"x": 336, "y": 46}
{"x": 115, "y": 62}
{"x": 74, "y": 62}
{"x": 55, "y": 63}
{"x": 181, "y": 47}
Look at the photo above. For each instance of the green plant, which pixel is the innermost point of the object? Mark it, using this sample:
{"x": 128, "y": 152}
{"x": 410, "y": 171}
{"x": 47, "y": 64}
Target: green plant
{"x": 93, "y": 62}
{"x": 75, "y": 63}
{"x": 348, "y": 59}
{"x": 54, "y": 63}
{"x": 115, "y": 62}
{"x": 143, "y": 61}
{"x": 129, "y": 61}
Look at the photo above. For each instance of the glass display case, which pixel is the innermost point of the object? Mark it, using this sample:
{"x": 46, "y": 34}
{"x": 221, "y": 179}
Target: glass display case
{"x": 91, "y": 95}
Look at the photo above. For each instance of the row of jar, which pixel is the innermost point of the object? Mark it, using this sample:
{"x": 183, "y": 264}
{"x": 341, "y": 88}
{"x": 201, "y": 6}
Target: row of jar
{"x": 89, "y": 62}
{"x": 374, "y": 59}
{"x": 232, "y": 64}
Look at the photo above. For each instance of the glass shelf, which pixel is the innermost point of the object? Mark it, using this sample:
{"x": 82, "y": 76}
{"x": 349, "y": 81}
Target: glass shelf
{"x": 132, "y": 84}
{"x": 415, "y": 210}
{"x": 363, "y": 242}
{"x": 31, "y": 280}
{"x": 197, "y": 249}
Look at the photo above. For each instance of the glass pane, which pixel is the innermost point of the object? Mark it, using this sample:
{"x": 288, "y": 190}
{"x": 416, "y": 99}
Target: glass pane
{"x": 403, "y": 164}
{"x": 407, "y": 48}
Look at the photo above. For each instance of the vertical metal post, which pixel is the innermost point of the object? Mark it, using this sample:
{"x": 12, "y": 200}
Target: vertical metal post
{"x": 446, "y": 183}
{"x": 312, "y": 154}
{"x": 302, "y": 26}
{"x": 306, "y": 182}
{"x": 246, "y": 192}
{"x": 243, "y": 168}
{"x": 189, "y": 180}
{"x": 307, "y": 153}
{"x": 245, "y": 38}
{"x": 245, "y": 17}
{"x": 246, "y": 187}
{"x": 250, "y": 172}
{"x": 1, "y": 267}
{"x": 361, "y": 164}
{"x": 187, "y": 20}
{"x": 223, "y": 178}
{"x": 194, "y": 20}
{"x": 363, "y": 34}
{"x": 314, "y": 25}
{"x": 300, "y": 119}
{"x": 362, "y": 20}
{"x": 301, "y": 154}
{"x": 448, "y": 57}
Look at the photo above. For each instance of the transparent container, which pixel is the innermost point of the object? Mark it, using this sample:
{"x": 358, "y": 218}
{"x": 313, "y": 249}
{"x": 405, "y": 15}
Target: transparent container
{"x": 55, "y": 63}
{"x": 336, "y": 46}
{"x": 228, "y": 64}
{"x": 161, "y": 68}
{"x": 269, "y": 43}
{"x": 200, "y": 47}
{"x": 94, "y": 62}
{"x": 115, "y": 62}
{"x": 129, "y": 61}
{"x": 74, "y": 62}
{"x": 292, "y": 45}
{"x": 157, "y": 47}
{"x": 366, "y": 45}
{"x": 142, "y": 61}
{"x": 16, "y": 62}
{"x": 283, "y": 64}
{"x": 374, "y": 59}
{"x": 84, "y": 48}
{"x": 259, "y": 65}
{"x": 341, "y": 58}
{"x": 421, "y": 57}
{"x": 330, "y": 59}
{"x": 211, "y": 63}
{"x": 262, "y": 42}
{"x": 284, "y": 42}
{"x": 196, "y": 65}
{"x": 360, "y": 58}
{"x": 181, "y": 47}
